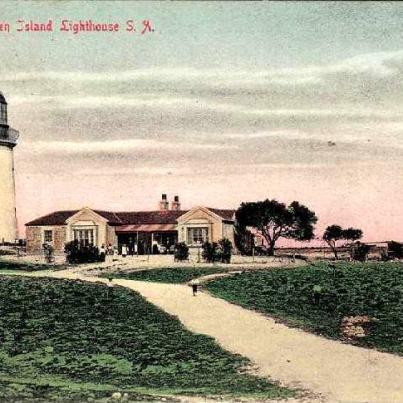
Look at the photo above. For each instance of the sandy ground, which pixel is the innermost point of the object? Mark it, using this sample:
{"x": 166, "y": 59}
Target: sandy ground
{"x": 333, "y": 371}
{"x": 342, "y": 373}
{"x": 155, "y": 261}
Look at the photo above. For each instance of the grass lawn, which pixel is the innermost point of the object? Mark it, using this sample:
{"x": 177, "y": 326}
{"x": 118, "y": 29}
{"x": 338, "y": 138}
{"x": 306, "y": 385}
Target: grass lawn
{"x": 345, "y": 289}
{"x": 6, "y": 265}
{"x": 67, "y": 339}
{"x": 172, "y": 275}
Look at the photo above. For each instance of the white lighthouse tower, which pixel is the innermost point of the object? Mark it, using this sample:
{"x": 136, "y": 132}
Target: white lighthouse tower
{"x": 8, "y": 140}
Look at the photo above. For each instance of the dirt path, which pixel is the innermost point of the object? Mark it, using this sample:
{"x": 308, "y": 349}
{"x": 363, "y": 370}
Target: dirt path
{"x": 340, "y": 372}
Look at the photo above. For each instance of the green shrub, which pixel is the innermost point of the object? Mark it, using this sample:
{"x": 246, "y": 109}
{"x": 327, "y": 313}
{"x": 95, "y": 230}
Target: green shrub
{"x": 77, "y": 253}
{"x": 360, "y": 251}
{"x": 244, "y": 240}
{"x": 217, "y": 252}
{"x": 225, "y": 250}
{"x": 209, "y": 252}
{"x": 395, "y": 250}
{"x": 181, "y": 251}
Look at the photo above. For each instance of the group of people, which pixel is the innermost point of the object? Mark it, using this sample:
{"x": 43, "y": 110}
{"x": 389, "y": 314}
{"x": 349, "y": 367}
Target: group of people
{"x": 107, "y": 250}
{"x": 132, "y": 249}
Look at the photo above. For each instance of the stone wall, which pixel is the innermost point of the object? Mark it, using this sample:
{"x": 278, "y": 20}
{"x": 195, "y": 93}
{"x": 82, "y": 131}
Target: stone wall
{"x": 34, "y": 236}
{"x": 59, "y": 238}
{"x": 228, "y": 232}
{"x": 111, "y": 237}
{"x": 34, "y": 240}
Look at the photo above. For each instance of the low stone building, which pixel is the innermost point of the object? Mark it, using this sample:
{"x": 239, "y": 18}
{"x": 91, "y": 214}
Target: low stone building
{"x": 141, "y": 231}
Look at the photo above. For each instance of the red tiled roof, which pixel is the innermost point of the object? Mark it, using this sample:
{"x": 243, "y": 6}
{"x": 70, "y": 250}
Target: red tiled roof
{"x": 118, "y": 218}
{"x": 146, "y": 228}
{"x": 126, "y": 217}
{"x": 60, "y": 217}
{"x": 112, "y": 217}
{"x": 226, "y": 214}
{"x": 55, "y": 218}
{"x": 150, "y": 217}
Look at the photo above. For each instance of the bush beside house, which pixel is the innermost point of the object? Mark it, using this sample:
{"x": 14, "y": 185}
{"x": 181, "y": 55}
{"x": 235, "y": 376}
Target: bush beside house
{"x": 181, "y": 251}
{"x": 220, "y": 251}
{"x": 77, "y": 253}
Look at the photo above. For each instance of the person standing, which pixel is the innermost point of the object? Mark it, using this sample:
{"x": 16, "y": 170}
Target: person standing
{"x": 110, "y": 288}
{"x": 195, "y": 286}
{"x": 102, "y": 253}
{"x": 124, "y": 250}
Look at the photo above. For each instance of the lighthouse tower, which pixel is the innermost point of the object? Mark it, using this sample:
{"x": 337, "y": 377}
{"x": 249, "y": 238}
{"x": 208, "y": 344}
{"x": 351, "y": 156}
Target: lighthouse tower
{"x": 8, "y": 140}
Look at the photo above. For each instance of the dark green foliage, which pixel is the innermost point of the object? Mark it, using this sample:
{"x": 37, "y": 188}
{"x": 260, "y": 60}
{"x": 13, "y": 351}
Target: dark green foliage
{"x": 274, "y": 220}
{"x": 220, "y": 251}
{"x": 395, "y": 250}
{"x": 243, "y": 239}
{"x": 334, "y": 233}
{"x": 20, "y": 390}
{"x": 70, "y": 332}
{"x": 181, "y": 251}
{"x": 170, "y": 275}
{"x": 352, "y": 234}
{"x": 319, "y": 296}
{"x": 23, "y": 266}
{"x": 7, "y": 252}
{"x": 209, "y": 252}
{"x": 77, "y": 253}
{"x": 225, "y": 250}
{"x": 359, "y": 251}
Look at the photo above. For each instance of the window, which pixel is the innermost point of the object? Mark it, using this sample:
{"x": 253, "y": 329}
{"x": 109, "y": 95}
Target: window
{"x": 197, "y": 235}
{"x": 84, "y": 236}
{"x": 3, "y": 113}
{"x": 47, "y": 235}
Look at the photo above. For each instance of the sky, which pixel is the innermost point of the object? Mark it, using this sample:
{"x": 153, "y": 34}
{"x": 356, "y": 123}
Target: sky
{"x": 222, "y": 103}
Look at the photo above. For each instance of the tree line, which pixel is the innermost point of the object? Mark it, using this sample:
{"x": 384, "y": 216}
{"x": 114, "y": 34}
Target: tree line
{"x": 274, "y": 220}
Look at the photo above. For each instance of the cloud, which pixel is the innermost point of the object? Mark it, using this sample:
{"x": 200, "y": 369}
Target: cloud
{"x": 194, "y": 116}
{"x": 123, "y": 146}
{"x": 379, "y": 64}
{"x": 197, "y": 103}
{"x": 364, "y": 88}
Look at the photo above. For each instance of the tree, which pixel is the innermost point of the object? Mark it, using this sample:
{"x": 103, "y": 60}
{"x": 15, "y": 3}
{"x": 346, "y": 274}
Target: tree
{"x": 334, "y": 233}
{"x": 274, "y": 220}
{"x": 244, "y": 239}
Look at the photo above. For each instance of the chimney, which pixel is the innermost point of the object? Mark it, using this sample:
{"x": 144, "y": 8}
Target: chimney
{"x": 175, "y": 204}
{"x": 164, "y": 202}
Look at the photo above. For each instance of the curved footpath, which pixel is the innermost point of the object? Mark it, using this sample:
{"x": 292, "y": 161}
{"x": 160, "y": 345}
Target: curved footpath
{"x": 339, "y": 372}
